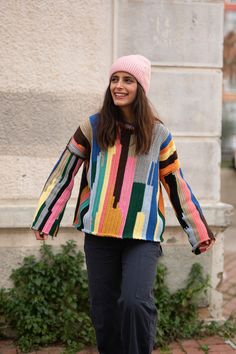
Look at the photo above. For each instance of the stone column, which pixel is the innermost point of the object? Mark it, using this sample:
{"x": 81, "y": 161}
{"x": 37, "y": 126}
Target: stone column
{"x": 184, "y": 39}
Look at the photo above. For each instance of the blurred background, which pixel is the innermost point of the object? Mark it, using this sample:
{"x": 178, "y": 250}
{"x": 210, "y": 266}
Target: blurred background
{"x": 229, "y": 82}
{"x": 228, "y": 170}
{"x": 228, "y": 151}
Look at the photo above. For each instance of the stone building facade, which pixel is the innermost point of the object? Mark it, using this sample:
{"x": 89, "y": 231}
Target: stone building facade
{"x": 54, "y": 65}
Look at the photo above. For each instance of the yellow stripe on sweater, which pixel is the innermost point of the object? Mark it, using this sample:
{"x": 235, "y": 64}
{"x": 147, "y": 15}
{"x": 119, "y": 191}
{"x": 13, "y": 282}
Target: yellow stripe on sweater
{"x": 168, "y": 153}
{"x": 111, "y": 152}
{"x": 139, "y": 224}
{"x": 53, "y": 180}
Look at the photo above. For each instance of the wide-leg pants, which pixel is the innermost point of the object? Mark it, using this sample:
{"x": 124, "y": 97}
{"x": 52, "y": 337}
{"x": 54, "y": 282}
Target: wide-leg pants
{"x": 121, "y": 275}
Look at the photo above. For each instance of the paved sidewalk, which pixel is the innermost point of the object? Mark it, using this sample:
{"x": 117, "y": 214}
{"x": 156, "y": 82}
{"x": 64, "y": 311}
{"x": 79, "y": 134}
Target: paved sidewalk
{"x": 229, "y": 285}
{"x": 228, "y": 195}
{"x": 213, "y": 345}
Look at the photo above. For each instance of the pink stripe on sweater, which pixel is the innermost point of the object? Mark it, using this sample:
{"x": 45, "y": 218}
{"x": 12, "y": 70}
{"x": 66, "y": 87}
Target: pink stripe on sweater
{"x": 190, "y": 209}
{"x": 61, "y": 202}
{"x": 126, "y": 190}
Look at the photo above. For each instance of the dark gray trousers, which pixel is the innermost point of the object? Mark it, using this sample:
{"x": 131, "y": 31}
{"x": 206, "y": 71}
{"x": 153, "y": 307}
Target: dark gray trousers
{"x": 121, "y": 276}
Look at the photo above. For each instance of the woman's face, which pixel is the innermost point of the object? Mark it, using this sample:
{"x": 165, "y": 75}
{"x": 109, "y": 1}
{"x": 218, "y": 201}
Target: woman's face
{"x": 123, "y": 87}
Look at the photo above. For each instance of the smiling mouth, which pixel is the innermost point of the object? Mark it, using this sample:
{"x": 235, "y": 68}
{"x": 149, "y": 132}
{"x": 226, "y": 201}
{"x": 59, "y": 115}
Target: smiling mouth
{"x": 120, "y": 95}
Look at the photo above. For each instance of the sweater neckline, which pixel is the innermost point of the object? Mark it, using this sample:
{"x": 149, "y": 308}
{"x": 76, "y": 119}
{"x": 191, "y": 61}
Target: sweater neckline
{"x": 127, "y": 125}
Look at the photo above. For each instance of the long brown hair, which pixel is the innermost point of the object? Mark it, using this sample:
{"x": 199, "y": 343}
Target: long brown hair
{"x": 110, "y": 116}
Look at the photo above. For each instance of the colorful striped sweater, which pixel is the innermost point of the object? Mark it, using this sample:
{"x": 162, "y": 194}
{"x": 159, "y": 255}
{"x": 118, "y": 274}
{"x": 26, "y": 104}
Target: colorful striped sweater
{"x": 120, "y": 192}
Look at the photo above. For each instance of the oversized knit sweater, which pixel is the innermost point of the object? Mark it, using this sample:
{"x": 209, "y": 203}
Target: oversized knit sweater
{"x": 120, "y": 192}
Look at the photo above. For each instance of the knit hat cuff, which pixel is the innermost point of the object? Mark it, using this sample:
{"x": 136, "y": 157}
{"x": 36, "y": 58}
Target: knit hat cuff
{"x": 136, "y": 65}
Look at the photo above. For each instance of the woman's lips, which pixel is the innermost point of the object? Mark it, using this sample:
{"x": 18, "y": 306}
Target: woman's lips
{"x": 120, "y": 95}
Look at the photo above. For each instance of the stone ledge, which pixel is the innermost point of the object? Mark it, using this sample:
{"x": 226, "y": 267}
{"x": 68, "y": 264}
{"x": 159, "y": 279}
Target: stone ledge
{"x": 19, "y": 214}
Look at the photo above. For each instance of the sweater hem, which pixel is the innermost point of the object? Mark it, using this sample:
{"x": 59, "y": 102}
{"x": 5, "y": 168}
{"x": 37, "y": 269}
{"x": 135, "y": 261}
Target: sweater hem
{"x": 131, "y": 237}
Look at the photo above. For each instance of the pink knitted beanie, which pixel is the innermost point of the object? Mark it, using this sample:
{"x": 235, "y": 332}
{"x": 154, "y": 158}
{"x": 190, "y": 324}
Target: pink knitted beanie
{"x": 136, "y": 65}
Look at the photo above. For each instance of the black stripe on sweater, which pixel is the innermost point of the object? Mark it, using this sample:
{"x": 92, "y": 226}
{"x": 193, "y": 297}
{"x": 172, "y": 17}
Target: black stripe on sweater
{"x": 169, "y": 161}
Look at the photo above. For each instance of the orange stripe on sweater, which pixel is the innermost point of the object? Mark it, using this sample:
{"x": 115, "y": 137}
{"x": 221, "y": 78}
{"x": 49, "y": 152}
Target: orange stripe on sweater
{"x": 170, "y": 168}
{"x": 163, "y": 151}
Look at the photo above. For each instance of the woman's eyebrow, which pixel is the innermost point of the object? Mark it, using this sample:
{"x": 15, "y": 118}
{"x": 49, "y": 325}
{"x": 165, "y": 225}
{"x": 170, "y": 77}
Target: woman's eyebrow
{"x": 125, "y": 76}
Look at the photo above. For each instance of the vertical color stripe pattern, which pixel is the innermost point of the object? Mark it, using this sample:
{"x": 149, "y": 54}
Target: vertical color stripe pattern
{"x": 120, "y": 192}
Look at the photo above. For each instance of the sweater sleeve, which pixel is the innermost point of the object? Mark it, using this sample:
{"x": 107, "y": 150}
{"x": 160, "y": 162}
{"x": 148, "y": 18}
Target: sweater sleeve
{"x": 58, "y": 187}
{"x": 186, "y": 206}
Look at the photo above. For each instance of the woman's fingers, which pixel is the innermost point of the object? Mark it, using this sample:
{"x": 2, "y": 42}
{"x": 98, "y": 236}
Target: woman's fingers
{"x": 40, "y": 235}
{"x": 205, "y": 245}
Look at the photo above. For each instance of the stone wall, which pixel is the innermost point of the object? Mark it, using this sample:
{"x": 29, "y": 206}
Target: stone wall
{"x": 54, "y": 71}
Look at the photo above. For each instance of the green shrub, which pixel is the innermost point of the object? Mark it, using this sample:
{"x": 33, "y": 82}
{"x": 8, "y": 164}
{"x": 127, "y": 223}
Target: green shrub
{"x": 178, "y": 312}
{"x": 3, "y": 305}
{"x": 49, "y": 300}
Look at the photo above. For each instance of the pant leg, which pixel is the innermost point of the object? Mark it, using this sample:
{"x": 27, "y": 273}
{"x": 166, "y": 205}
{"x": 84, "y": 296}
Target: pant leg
{"x": 138, "y": 328}
{"x": 103, "y": 259}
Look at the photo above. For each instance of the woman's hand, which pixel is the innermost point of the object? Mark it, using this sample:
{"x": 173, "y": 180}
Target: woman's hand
{"x": 205, "y": 245}
{"x": 40, "y": 235}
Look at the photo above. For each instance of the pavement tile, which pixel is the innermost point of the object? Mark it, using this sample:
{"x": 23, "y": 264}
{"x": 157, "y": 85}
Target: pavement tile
{"x": 229, "y": 261}
{"x": 190, "y": 346}
{"x": 227, "y": 297}
{"x": 211, "y": 340}
{"x": 54, "y": 351}
{"x": 225, "y": 286}
{"x": 232, "y": 290}
{"x": 49, "y": 350}
{"x": 190, "y": 343}
{"x": 230, "y": 258}
{"x": 167, "y": 351}
{"x": 221, "y": 349}
{"x": 174, "y": 345}
{"x": 88, "y": 351}
{"x": 230, "y": 306}
{"x": 8, "y": 351}
{"x": 231, "y": 274}
{"x": 6, "y": 344}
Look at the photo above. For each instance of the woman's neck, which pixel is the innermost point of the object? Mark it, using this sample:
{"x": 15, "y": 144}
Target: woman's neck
{"x": 127, "y": 114}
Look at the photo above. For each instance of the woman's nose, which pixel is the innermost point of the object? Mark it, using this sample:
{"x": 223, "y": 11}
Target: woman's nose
{"x": 119, "y": 84}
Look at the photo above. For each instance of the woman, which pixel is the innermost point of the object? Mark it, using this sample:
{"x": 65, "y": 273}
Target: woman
{"x": 127, "y": 154}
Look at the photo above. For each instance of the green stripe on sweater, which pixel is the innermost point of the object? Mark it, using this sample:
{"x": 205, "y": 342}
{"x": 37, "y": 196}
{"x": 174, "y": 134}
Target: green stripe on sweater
{"x": 135, "y": 205}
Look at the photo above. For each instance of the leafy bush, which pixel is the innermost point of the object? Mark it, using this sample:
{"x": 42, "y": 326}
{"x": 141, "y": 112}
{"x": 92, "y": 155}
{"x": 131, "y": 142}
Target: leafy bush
{"x": 49, "y": 303}
{"x": 178, "y": 312}
{"x": 3, "y": 305}
{"x": 49, "y": 300}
